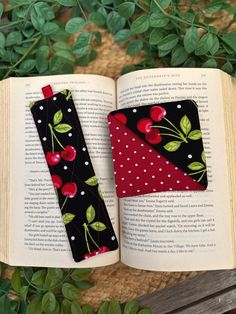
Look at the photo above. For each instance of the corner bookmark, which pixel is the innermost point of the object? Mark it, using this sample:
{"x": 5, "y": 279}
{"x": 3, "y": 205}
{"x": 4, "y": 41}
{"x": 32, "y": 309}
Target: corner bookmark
{"x": 80, "y": 199}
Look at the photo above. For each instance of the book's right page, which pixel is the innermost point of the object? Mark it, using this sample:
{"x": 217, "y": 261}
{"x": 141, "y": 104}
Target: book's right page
{"x": 178, "y": 231}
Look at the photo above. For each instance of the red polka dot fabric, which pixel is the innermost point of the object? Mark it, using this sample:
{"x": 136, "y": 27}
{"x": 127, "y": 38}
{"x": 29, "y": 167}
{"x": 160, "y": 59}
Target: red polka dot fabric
{"x": 141, "y": 169}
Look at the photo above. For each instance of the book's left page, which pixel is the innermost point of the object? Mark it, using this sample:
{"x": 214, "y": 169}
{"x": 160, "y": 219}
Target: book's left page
{"x": 38, "y": 236}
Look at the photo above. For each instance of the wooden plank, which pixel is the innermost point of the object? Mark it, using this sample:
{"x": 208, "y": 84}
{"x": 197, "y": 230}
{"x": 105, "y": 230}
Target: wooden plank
{"x": 189, "y": 292}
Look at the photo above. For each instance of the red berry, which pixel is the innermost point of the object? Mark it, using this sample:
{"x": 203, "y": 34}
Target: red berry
{"x": 69, "y": 153}
{"x": 121, "y": 117}
{"x": 69, "y": 189}
{"x": 104, "y": 249}
{"x": 88, "y": 255}
{"x": 57, "y": 181}
{"x": 53, "y": 158}
{"x": 157, "y": 113}
{"x": 144, "y": 125}
{"x": 153, "y": 137}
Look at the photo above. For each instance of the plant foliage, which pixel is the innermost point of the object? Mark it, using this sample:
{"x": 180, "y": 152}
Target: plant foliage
{"x": 34, "y": 41}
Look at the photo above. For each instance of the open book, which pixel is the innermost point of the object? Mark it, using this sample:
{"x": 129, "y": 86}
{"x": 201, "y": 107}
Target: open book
{"x": 166, "y": 231}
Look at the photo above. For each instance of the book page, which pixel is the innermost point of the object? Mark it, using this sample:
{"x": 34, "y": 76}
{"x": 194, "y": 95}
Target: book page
{"x": 38, "y": 236}
{"x": 177, "y": 231}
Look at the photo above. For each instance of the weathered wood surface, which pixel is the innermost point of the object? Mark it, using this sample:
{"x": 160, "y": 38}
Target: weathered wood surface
{"x": 213, "y": 292}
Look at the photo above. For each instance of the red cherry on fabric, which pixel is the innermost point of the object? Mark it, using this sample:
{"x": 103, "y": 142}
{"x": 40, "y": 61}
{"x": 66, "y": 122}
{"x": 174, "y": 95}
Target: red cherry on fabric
{"x": 121, "y": 117}
{"x": 144, "y": 125}
{"x": 53, "y": 158}
{"x": 104, "y": 249}
{"x": 57, "y": 181}
{"x": 69, "y": 153}
{"x": 88, "y": 255}
{"x": 69, "y": 189}
{"x": 157, "y": 113}
{"x": 153, "y": 137}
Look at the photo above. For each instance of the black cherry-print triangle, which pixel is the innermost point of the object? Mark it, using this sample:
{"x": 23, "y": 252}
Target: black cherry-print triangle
{"x": 159, "y": 162}
{"x": 80, "y": 199}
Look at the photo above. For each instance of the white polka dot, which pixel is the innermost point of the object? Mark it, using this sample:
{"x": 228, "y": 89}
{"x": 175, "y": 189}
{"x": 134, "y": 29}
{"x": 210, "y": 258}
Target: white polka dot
{"x": 151, "y": 163}
{"x": 167, "y": 162}
{"x": 176, "y": 168}
{"x": 128, "y": 158}
{"x": 146, "y": 183}
{"x": 169, "y": 175}
{"x": 114, "y": 172}
{"x": 160, "y": 169}
{"x": 133, "y": 139}
{"x": 65, "y": 167}
{"x": 112, "y": 147}
{"x": 190, "y": 156}
{"x": 86, "y": 163}
{"x": 153, "y": 177}
{"x": 120, "y": 153}
{"x": 134, "y": 110}
{"x": 39, "y": 121}
{"x": 113, "y": 238}
{"x": 177, "y": 181}
{"x": 117, "y": 128}
{"x": 72, "y": 238}
{"x": 44, "y": 139}
{"x": 187, "y": 187}
{"x": 185, "y": 174}
{"x": 41, "y": 107}
{"x": 54, "y": 98}
{"x": 129, "y": 171}
{"x": 158, "y": 156}
{"x": 144, "y": 170}
{"x": 127, "y": 146}
{"x": 143, "y": 157}
{"x": 84, "y": 149}
{"x": 110, "y": 135}
{"x": 136, "y": 165}
{"x": 137, "y": 178}
{"x": 116, "y": 185}
{"x": 138, "y": 191}
{"x": 121, "y": 166}
{"x": 69, "y": 110}
{"x": 161, "y": 182}
{"x": 114, "y": 160}
{"x": 122, "y": 179}
{"x": 123, "y": 192}
{"x": 109, "y": 122}
{"x": 142, "y": 145}
{"x": 125, "y": 133}
{"x": 170, "y": 189}
{"x": 135, "y": 152}
{"x": 154, "y": 190}
{"x": 150, "y": 150}
{"x": 82, "y": 192}
{"x": 70, "y": 134}
{"x": 130, "y": 184}
{"x": 178, "y": 106}
{"x": 118, "y": 141}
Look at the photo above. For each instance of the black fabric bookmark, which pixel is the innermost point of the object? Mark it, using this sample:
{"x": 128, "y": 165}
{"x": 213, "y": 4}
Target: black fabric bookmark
{"x": 84, "y": 212}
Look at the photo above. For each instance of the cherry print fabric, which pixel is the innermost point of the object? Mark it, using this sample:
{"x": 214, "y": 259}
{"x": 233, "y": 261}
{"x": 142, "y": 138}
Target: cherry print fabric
{"x": 157, "y": 148}
{"x": 82, "y": 206}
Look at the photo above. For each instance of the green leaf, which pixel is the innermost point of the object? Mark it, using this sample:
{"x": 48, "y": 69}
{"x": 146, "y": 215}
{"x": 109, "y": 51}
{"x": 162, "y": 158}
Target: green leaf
{"x": 191, "y": 39}
{"x": 196, "y": 165}
{"x": 42, "y": 58}
{"x": 213, "y": 8}
{"x": 185, "y": 124}
{"x": 35, "y": 306}
{"x": 81, "y": 45}
{"x": 122, "y": 36}
{"x": 37, "y": 17}
{"x": 27, "y": 65}
{"x": 13, "y": 38}
{"x": 68, "y": 3}
{"x": 87, "y": 309}
{"x": 98, "y": 226}
{"x": 195, "y": 135}
{"x": 168, "y": 42}
{"x": 140, "y": 25}
{"x": 49, "y": 302}
{"x": 81, "y": 274}
{"x": 204, "y": 44}
{"x": 107, "y": 2}
{"x": 211, "y": 63}
{"x": 90, "y": 213}
{"x": 155, "y": 37}
{"x": 203, "y": 156}
{"x": 158, "y": 20}
{"x": 179, "y": 56}
{"x": 65, "y": 55}
{"x": 1, "y": 10}
{"x": 49, "y": 28}
{"x": 62, "y": 128}
{"x": 2, "y": 40}
{"x": 230, "y": 40}
{"x": 103, "y": 309}
{"x": 5, "y": 305}
{"x": 227, "y": 67}
{"x": 126, "y": 9}
{"x": 164, "y": 3}
{"x": 215, "y": 46}
{"x": 100, "y": 192}
{"x": 97, "y": 18}
{"x": 66, "y": 307}
{"x": 83, "y": 284}
{"x": 23, "y": 292}
{"x": 115, "y": 22}
{"x": 75, "y": 24}
{"x": 134, "y": 47}
{"x": 76, "y": 308}
{"x": 145, "y": 311}
{"x": 39, "y": 277}
{"x": 172, "y": 146}
{"x": 114, "y": 307}
{"x": 57, "y": 117}
{"x": 92, "y": 181}
{"x": 68, "y": 217}
{"x": 70, "y": 291}
{"x": 16, "y": 280}
{"x": 131, "y": 307}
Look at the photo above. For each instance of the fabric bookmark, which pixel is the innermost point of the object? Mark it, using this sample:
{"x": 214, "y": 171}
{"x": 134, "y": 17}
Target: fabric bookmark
{"x": 83, "y": 209}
